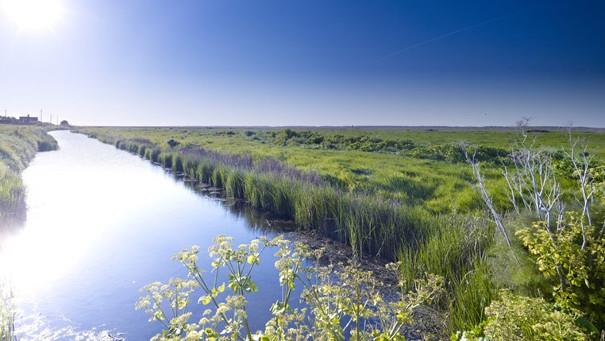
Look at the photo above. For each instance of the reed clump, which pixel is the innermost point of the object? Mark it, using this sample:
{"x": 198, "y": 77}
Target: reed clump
{"x": 456, "y": 249}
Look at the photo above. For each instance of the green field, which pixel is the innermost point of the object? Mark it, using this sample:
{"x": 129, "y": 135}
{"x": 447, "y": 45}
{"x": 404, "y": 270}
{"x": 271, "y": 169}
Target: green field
{"x": 414, "y": 166}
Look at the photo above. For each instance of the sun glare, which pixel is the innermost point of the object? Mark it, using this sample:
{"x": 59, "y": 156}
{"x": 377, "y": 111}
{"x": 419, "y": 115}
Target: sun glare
{"x": 33, "y": 15}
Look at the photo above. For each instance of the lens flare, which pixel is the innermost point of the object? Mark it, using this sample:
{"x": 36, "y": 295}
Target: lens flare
{"x": 33, "y": 15}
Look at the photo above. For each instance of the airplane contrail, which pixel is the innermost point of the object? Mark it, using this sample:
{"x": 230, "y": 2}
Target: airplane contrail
{"x": 440, "y": 37}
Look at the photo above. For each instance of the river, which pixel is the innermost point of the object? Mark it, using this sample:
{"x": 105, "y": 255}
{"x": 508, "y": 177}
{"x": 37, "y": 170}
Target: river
{"x": 101, "y": 223}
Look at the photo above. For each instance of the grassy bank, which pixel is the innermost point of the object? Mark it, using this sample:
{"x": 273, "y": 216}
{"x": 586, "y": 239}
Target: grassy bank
{"x": 395, "y": 194}
{"x": 372, "y": 226}
{"x": 18, "y": 145}
{"x": 409, "y": 166}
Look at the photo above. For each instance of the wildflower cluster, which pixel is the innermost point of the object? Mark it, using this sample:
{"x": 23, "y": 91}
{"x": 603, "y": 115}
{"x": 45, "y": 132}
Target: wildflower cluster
{"x": 339, "y": 301}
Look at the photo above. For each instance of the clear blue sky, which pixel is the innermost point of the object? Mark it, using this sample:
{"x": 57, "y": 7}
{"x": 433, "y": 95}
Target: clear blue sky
{"x": 310, "y": 62}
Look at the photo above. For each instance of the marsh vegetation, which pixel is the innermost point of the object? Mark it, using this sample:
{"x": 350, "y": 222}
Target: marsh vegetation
{"x": 422, "y": 198}
{"x": 500, "y": 236}
{"x": 18, "y": 145}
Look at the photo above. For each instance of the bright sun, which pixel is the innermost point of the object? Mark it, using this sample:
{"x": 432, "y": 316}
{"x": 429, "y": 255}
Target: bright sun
{"x": 33, "y": 15}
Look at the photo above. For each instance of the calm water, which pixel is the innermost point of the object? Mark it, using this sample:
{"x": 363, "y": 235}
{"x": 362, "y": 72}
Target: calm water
{"x": 102, "y": 223}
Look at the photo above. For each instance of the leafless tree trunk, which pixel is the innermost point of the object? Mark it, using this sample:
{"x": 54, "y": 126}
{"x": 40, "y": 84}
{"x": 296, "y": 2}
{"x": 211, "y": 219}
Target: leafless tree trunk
{"x": 535, "y": 183}
{"x": 581, "y": 165}
{"x": 513, "y": 198}
{"x": 485, "y": 195}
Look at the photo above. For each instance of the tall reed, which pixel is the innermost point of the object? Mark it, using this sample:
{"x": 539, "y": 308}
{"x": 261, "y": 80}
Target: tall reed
{"x": 456, "y": 250}
{"x": 469, "y": 297}
{"x": 371, "y": 226}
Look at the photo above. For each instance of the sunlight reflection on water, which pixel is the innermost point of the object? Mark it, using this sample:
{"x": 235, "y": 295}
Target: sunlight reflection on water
{"x": 63, "y": 229}
{"x": 101, "y": 223}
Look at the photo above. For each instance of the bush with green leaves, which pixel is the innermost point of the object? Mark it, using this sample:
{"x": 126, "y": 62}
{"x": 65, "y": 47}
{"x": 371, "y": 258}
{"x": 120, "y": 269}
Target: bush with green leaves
{"x": 339, "y": 301}
{"x": 518, "y": 318}
{"x": 563, "y": 240}
{"x": 576, "y": 269}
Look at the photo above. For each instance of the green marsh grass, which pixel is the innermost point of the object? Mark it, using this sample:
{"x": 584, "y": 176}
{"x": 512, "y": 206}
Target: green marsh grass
{"x": 372, "y": 226}
{"x": 413, "y": 200}
{"x": 177, "y": 165}
{"x": 456, "y": 249}
{"x": 166, "y": 160}
{"x": 234, "y": 184}
{"x": 439, "y": 184}
{"x": 469, "y": 297}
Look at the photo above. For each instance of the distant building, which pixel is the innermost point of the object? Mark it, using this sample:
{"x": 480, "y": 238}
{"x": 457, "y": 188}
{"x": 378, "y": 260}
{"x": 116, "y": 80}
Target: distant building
{"x": 8, "y": 120}
{"x": 28, "y": 119}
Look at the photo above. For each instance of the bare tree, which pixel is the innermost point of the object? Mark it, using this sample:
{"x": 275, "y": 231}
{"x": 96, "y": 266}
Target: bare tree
{"x": 531, "y": 178}
{"x": 511, "y": 189}
{"x": 581, "y": 169}
{"x": 485, "y": 195}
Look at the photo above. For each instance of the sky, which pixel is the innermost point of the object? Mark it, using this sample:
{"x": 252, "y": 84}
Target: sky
{"x": 304, "y": 62}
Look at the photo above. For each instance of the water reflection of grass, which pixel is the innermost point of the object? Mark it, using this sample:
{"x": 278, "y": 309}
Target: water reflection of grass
{"x": 261, "y": 221}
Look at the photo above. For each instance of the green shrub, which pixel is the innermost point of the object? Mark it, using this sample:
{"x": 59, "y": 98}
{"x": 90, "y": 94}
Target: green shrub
{"x": 518, "y": 318}
{"x": 576, "y": 272}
